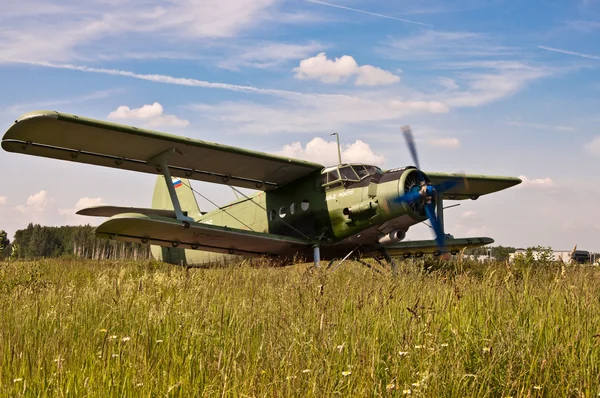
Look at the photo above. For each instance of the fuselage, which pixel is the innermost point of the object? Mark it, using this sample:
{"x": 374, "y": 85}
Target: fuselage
{"x": 341, "y": 207}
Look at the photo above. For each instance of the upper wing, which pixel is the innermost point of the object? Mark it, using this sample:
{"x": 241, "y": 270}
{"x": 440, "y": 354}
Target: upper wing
{"x": 69, "y": 137}
{"x": 161, "y": 231}
{"x": 475, "y": 185}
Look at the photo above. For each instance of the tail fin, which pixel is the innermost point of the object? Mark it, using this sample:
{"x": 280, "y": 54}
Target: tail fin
{"x": 187, "y": 200}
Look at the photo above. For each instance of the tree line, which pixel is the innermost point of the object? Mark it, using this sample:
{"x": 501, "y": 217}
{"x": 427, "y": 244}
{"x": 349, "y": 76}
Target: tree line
{"x": 38, "y": 241}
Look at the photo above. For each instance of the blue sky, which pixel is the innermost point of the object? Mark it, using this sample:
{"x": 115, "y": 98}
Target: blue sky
{"x": 490, "y": 87}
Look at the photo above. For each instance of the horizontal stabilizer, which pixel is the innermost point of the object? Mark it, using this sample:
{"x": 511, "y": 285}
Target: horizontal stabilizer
{"x": 420, "y": 247}
{"x": 109, "y": 211}
{"x": 161, "y": 231}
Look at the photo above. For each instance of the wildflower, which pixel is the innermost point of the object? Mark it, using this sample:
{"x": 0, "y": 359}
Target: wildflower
{"x": 487, "y": 349}
{"x": 113, "y": 337}
{"x": 17, "y": 380}
{"x": 402, "y": 353}
{"x": 124, "y": 339}
{"x": 115, "y": 355}
{"x": 418, "y": 347}
{"x": 540, "y": 387}
{"x": 341, "y": 347}
{"x": 390, "y": 386}
{"x": 159, "y": 341}
{"x": 306, "y": 371}
{"x": 444, "y": 345}
{"x": 407, "y": 391}
{"x": 346, "y": 373}
{"x": 102, "y": 330}
{"x": 139, "y": 384}
{"x": 416, "y": 385}
{"x": 290, "y": 377}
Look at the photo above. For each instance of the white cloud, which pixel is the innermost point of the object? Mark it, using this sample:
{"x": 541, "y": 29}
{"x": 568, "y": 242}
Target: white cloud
{"x": 536, "y": 183}
{"x": 3, "y": 200}
{"x": 502, "y": 79}
{"x": 432, "y": 44}
{"x": 542, "y": 126}
{"x": 322, "y": 151}
{"x": 82, "y": 203}
{"x": 30, "y": 34}
{"x": 35, "y": 203}
{"x": 152, "y": 115}
{"x": 450, "y": 142}
{"x": 311, "y": 113}
{"x": 269, "y": 54}
{"x": 341, "y": 69}
{"x": 593, "y": 147}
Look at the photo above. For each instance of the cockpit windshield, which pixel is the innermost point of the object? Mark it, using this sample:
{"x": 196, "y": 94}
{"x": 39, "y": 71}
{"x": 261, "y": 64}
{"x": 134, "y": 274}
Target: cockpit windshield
{"x": 347, "y": 174}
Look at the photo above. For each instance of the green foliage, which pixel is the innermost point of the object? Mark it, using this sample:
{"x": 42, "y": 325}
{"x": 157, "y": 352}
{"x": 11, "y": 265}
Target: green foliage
{"x": 37, "y": 241}
{"x": 81, "y": 328}
{"x": 4, "y": 244}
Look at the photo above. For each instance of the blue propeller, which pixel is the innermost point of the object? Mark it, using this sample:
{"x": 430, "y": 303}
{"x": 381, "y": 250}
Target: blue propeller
{"x": 426, "y": 192}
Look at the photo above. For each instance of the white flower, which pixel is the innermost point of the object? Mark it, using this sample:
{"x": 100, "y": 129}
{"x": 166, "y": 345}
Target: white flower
{"x": 17, "y": 380}
{"x": 113, "y": 337}
{"x": 306, "y": 371}
{"x": 419, "y": 347}
{"x": 406, "y": 392}
{"x": 124, "y": 339}
{"x": 390, "y": 386}
{"x": 346, "y": 373}
{"x": 444, "y": 345}
{"x": 403, "y": 353}
{"x": 486, "y": 349}
{"x": 540, "y": 387}
{"x": 115, "y": 355}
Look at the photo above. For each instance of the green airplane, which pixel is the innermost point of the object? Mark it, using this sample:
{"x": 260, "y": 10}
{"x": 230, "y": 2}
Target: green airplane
{"x": 302, "y": 210}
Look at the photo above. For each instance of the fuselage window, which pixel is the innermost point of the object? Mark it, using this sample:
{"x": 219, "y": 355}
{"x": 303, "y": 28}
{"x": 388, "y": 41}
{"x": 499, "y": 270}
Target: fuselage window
{"x": 292, "y": 208}
{"x": 304, "y": 205}
{"x": 282, "y": 212}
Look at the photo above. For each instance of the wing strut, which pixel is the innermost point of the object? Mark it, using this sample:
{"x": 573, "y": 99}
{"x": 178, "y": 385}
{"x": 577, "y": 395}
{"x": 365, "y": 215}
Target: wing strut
{"x": 161, "y": 161}
{"x": 440, "y": 211}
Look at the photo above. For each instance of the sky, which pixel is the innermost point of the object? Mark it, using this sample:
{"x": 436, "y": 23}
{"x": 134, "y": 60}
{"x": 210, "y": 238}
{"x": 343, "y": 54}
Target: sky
{"x": 499, "y": 87}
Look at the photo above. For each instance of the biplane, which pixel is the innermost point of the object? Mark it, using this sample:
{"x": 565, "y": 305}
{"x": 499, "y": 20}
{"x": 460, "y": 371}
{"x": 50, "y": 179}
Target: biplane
{"x": 299, "y": 210}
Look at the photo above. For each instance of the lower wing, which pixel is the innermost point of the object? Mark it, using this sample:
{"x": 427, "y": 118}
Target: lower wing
{"x": 163, "y": 231}
{"x": 420, "y": 247}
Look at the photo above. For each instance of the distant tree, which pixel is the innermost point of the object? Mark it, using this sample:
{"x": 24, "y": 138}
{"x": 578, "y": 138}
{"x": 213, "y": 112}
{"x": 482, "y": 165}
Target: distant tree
{"x": 4, "y": 244}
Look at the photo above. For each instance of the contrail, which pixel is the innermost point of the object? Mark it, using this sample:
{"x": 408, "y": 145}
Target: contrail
{"x": 369, "y": 13}
{"x": 181, "y": 81}
{"x": 558, "y": 50}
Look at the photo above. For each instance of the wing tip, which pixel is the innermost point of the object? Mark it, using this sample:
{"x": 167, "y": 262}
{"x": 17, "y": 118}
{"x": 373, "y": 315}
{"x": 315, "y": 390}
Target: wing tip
{"x": 37, "y": 114}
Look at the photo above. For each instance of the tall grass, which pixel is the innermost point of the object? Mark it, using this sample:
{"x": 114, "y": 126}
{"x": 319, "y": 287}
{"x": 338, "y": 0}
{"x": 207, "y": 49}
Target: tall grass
{"x": 86, "y": 328}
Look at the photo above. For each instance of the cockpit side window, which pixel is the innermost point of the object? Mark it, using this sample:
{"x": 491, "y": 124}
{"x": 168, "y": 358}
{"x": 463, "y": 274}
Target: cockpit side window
{"x": 333, "y": 175}
{"x": 361, "y": 171}
{"x": 348, "y": 174}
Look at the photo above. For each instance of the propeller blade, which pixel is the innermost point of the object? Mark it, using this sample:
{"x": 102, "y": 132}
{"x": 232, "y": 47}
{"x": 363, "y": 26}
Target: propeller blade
{"x": 439, "y": 235}
{"x": 410, "y": 141}
{"x": 445, "y": 185}
{"x": 409, "y": 197}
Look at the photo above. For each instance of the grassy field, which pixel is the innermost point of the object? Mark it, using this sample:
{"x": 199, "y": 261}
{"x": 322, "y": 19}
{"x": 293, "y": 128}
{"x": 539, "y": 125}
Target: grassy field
{"x": 86, "y": 328}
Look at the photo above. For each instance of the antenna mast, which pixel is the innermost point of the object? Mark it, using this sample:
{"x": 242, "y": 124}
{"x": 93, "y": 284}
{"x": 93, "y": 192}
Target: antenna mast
{"x": 337, "y": 136}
